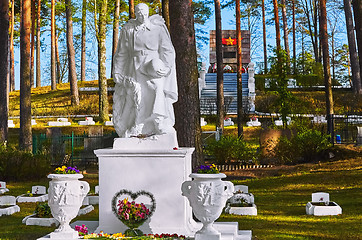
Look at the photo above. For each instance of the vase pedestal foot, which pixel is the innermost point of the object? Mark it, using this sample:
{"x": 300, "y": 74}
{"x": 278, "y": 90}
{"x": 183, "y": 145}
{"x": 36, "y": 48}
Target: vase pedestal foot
{"x": 66, "y": 235}
{"x": 208, "y": 236}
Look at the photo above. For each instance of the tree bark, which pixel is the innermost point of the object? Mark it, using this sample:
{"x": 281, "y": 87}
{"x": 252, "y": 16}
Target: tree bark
{"x": 187, "y": 109}
{"x": 53, "y": 56}
{"x": 264, "y": 38}
{"x": 57, "y": 60}
{"x": 166, "y": 12}
{"x": 219, "y": 70}
{"x": 32, "y": 43}
{"x": 131, "y": 13}
{"x": 285, "y": 30}
{"x": 4, "y": 66}
{"x": 357, "y": 9}
{"x": 83, "y": 50}
{"x": 102, "y": 79}
{"x": 315, "y": 24}
{"x": 25, "y": 136}
{"x": 239, "y": 65}
{"x": 310, "y": 28}
{"x": 294, "y": 43}
{"x": 12, "y": 67}
{"x": 38, "y": 69}
{"x": 115, "y": 32}
{"x": 277, "y": 28}
{"x": 72, "y": 74}
{"x": 326, "y": 67}
{"x": 355, "y": 68}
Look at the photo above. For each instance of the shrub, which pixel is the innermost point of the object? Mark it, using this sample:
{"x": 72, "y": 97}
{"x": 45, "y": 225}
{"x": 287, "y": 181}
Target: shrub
{"x": 311, "y": 144}
{"x": 19, "y": 165}
{"x": 230, "y": 148}
{"x": 306, "y": 146}
{"x": 42, "y": 210}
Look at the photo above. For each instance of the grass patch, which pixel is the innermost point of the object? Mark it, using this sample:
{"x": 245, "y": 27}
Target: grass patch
{"x": 280, "y": 200}
{"x": 281, "y": 203}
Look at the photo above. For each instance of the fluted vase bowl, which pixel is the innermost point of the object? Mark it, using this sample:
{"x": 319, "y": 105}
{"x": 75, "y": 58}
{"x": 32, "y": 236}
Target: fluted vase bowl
{"x": 207, "y": 195}
{"x": 66, "y": 194}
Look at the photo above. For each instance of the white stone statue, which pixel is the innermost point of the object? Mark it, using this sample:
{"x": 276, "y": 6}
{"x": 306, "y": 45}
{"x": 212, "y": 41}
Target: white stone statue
{"x": 145, "y": 77}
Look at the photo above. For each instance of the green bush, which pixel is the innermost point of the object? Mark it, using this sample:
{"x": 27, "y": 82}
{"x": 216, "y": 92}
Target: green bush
{"x": 306, "y": 146}
{"x": 230, "y": 148}
{"x": 19, "y": 165}
{"x": 42, "y": 210}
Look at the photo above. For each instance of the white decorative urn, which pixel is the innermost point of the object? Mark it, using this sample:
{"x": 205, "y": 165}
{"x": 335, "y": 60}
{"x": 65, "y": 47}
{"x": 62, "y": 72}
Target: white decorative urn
{"x": 207, "y": 195}
{"x": 66, "y": 194}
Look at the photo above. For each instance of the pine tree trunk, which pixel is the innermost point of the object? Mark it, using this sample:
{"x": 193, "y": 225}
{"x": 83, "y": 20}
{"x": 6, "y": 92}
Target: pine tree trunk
{"x": 32, "y": 44}
{"x": 115, "y": 32}
{"x": 264, "y": 39}
{"x": 25, "y": 136}
{"x": 316, "y": 34}
{"x": 53, "y": 56}
{"x": 166, "y": 12}
{"x": 12, "y": 67}
{"x": 187, "y": 109}
{"x": 286, "y": 31}
{"x": 326, "y": 67}
{"x": 239, "y": 64}
{"x": 38, "y": 69}
{"x": 277, "y": 28}
{"x": 83, "y": 50}
{"x": 307, "y": 10}
{"x": 357, "y": 9}
{"x": 102, "y": 79}
{"x": 72, "y": 75}
{"x": 4, "y": 66}
{"x": 355, "y": 68}
{"x": 294, "y": 43}
{"x": 131, "y": 9}
{"x": 57, "y": 59}
{"x": 220, "y": 73}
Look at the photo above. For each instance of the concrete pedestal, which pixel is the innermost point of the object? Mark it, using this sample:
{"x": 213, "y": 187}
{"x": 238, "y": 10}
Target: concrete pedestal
{"x": 159, "y": 170}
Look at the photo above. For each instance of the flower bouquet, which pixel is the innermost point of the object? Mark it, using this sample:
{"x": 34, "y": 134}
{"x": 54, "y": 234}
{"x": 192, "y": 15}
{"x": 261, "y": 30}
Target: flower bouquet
{"x": 66, "y": 170}
{"x": 208, "y": 169}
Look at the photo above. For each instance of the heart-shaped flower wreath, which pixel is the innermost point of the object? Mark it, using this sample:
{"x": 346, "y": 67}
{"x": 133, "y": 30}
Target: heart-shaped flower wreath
{"x": 129, "y": 212}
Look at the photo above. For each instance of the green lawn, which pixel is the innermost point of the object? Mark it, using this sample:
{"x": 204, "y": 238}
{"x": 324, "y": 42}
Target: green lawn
{"x": 280, "y": 200}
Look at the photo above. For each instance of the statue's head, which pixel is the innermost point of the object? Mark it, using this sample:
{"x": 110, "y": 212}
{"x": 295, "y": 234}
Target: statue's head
{"x": 141, "y": 12}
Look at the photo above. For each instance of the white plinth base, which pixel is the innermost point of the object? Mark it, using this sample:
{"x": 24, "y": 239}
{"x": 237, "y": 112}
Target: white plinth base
{"x": 9, "y": 210}
{"x": 61, "y": 236}
{"x": 42, "y": 198}
{"x": 58, "y": 124}
{"x": 93, "y": 200}
{"x": 323, "y": 210}
{"x": 243, "y": 210}
{"x": 85, "y": 210}
{"x": 3, "y": 190}
{"x": 207, "y": 236}
{"x": 45, "y": 222}
{"x": 108, "y": 123}
{"x": 86, "y": 123}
